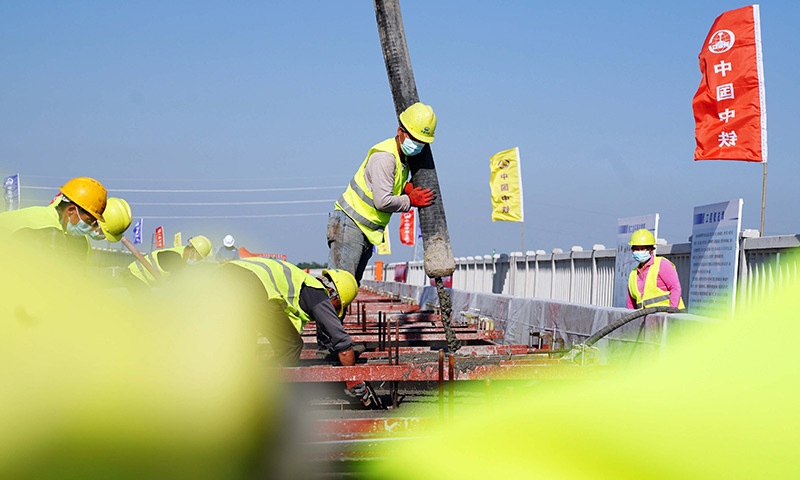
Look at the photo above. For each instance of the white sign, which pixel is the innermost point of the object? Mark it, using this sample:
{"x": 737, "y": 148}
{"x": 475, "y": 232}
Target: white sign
{"x": 625, "y": 263}
{"x": 715, "y": 251}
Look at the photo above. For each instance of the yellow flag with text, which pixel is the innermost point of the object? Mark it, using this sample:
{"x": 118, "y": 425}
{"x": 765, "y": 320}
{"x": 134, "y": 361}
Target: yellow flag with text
{"x": 385, "y": 248}
{"x": 177, "y": 242}
{"x": 506, "y": 185}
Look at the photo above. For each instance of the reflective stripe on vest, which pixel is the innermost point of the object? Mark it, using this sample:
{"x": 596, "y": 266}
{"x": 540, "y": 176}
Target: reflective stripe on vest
{"x": 652, "y": 295}
{"x": 357, "y": 201}
{"x": 283, "y": 284}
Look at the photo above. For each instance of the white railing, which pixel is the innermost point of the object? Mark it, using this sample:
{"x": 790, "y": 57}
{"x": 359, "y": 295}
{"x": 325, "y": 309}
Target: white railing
{"x": 587, "y": 277}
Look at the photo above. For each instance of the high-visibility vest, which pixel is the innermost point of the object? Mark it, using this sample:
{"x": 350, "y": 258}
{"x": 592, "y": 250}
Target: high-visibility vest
{"x": 35, "y": 218}
{"x": 652, "y": 295}
{"x": 283, "y": 282}
{"x": 357, "y": 201}
{"x": 142, "y": 273}
{"x": 41, "y": 218}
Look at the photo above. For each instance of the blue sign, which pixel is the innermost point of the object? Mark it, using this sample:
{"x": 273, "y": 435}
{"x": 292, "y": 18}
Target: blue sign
{"x": 11, "y": 192}
{"x": 137, "y": 232}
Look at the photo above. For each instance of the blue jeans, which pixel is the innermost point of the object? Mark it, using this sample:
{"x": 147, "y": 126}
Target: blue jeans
{"x": 350, "y": 248}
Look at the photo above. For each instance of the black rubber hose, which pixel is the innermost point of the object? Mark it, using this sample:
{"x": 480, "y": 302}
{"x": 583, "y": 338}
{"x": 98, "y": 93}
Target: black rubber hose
{"x": 627, "y": 319}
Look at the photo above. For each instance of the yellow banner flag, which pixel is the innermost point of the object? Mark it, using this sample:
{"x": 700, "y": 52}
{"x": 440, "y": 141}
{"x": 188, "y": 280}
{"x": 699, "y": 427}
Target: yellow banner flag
{"x": 385, "y": 248}
{"x": 506, "y": 185}
{"x": 177, "y": 242}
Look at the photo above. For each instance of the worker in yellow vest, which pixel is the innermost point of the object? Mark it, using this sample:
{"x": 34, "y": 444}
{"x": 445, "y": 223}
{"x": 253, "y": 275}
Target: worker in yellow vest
{"x": 63, "y": 225}
{"x": 654, "y": 282}
{"x": 168, "y": 261}
{"x": 378, "y": 189}
{"x": 286, "y": 298}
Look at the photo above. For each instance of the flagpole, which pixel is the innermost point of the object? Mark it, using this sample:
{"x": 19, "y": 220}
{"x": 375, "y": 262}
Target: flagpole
{"x": 523, "y": 237}
{"x": 763, "y": 198}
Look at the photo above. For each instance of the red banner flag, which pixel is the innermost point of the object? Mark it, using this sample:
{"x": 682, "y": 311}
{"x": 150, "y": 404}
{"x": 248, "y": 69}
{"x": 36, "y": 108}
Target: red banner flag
{"x": 407, "y": 228}
{"x": 160, "y": 237}
{"x": 729, "y": 107}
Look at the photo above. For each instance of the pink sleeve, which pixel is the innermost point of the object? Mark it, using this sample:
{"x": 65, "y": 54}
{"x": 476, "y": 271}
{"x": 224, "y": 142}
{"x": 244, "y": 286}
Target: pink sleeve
{"x": 669, "y": 276}
{"x": 630, "y": 300}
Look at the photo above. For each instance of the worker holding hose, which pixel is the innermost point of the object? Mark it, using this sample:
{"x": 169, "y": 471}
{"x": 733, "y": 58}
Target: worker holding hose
{"x": 654, "y": 282}
{"x": 63, "y": 225}
{"x": 379, "y": 188}
{"x": 284, "y": 298}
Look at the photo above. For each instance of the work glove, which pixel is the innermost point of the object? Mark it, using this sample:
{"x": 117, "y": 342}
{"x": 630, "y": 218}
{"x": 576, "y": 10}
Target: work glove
{"x": 364, "y": 392}
{"x": 419, "y": 197}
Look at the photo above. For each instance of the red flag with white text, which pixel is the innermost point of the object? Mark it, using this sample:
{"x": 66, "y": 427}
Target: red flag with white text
{"x": 160, "y": 237}
{"x": 729, "y": 106}
{"x": 407, "y": 228}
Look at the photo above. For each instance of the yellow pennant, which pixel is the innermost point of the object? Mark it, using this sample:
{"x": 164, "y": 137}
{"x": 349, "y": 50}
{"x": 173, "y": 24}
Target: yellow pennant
{"x": 506, "y": 185}
{"x": 385, "y": 248}
{"x": 177, "y": 241}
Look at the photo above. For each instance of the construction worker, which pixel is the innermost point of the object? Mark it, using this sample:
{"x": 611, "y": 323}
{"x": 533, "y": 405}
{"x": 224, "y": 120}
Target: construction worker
{"x": 228, "y": 251}
{"x": 61, "y": 226}
{"x": 289, "y": 298}
{"x": 168, "y": 261}
{"x": 654, "y": 282}
{"x": 378, "y": 189}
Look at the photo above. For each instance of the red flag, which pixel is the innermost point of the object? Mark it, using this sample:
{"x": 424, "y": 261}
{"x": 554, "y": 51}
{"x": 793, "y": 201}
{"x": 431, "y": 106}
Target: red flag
{"x": 407, "y": 228}
{"x": 729, "y": 107}
{"x": 160, "y": 237}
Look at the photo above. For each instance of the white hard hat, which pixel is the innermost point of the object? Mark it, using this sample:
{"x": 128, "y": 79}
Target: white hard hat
{"x": 228, "y": 241}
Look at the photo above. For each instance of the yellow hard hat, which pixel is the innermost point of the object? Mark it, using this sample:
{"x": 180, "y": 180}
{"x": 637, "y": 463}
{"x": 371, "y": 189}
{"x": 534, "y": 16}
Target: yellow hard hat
{"x": 87, "y": 193}
{"x": 201, "y": 244}
{"x": 346, "y": 287}
{"x": 642, "y": 237}
{"x": 117, "y": 219}
{"x": 420, "y": 121}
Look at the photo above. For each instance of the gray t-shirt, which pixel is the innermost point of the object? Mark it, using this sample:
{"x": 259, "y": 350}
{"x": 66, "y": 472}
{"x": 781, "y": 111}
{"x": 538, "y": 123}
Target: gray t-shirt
{"x": 379, "y": 175}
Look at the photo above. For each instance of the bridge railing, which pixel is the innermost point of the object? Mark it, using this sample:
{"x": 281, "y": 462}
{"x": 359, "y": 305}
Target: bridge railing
{"x": 587, "y": 277}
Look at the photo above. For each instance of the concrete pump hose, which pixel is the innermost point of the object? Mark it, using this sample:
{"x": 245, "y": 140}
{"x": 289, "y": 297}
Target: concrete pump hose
{"x": 627, "y": 319}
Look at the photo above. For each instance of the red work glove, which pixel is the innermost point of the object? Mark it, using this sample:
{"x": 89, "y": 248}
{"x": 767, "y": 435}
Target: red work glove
{"x": 420, "y": 197}
{"x": 407, "y": 189}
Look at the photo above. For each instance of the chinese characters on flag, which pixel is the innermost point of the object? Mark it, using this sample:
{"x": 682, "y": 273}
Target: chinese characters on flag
{"x": 506, "y": 185}
{"x": 160, "y": 237}
{"x": 729, "y": 106}
{"x": 385, "y": 248}
{"x": 177, "y": 242}
{"x": 407, "y": 228}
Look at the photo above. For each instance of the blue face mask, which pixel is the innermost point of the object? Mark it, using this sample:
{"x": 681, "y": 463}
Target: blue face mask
{"x": 97, "y": 235}
{"x": 80, "y": 230}
{"x": 411, "y": 148}
{"x": 641, "y": 256}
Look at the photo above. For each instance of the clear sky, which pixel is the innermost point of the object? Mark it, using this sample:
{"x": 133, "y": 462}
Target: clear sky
{"x": 267, "y": 95}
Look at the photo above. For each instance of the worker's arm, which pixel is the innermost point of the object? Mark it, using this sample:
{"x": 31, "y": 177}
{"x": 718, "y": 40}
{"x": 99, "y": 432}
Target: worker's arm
{"x": 315, "y": 302}
{"x": 669, "y": 276}
{"x": 379, "y": 175}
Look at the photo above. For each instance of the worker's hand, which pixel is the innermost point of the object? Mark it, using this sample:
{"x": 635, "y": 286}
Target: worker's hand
{"x": 364, "y": 392}
{"x": 407, "y": 189}
{"x": 420, "y": 197}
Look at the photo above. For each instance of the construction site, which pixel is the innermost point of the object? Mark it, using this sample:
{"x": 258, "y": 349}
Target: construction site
{"x": 237, "y": 351}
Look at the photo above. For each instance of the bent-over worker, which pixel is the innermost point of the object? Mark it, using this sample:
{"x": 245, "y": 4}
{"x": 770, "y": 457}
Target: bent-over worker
{"x": 63, "y": 225}
{"x": 288, "y": 298}
{"x": 168, "y": 261}
{"x": 654, "y": 282}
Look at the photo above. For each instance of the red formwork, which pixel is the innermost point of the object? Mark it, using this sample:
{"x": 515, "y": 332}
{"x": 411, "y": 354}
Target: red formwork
{"x": 399, "y": 345}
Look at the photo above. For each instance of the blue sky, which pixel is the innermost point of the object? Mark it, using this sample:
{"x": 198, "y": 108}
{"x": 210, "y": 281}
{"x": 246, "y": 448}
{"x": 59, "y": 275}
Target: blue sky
{"x": 263, "y": 95}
